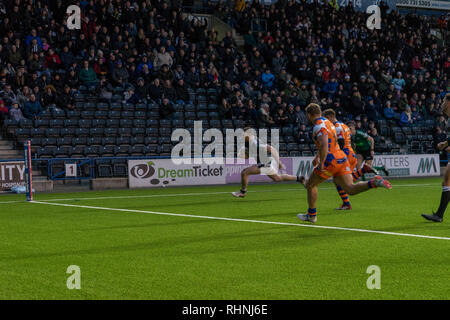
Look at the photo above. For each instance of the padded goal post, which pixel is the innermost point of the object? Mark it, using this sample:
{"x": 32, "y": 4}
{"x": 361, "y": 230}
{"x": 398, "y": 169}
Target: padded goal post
{"x": 28, "y": 171}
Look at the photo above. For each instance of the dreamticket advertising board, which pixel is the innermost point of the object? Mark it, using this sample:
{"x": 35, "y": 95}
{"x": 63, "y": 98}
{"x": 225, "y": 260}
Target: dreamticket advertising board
{"x": 163, "y": 172}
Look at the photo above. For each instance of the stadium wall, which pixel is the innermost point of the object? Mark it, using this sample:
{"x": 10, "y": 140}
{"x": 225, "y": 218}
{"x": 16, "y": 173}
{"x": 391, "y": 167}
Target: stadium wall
{"x": 146, "y": 173}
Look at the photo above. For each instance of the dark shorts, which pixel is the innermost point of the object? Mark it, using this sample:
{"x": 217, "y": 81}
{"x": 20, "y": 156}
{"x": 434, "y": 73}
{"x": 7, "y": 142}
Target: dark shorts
{"x": 365, "y": 154}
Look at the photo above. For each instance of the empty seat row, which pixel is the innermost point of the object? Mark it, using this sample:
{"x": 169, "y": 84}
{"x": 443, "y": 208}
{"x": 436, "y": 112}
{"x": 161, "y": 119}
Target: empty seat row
{"x": 104, "y": 151}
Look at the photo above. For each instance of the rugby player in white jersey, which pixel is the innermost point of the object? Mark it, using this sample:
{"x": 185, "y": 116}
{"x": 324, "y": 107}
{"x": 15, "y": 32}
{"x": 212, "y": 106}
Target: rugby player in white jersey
{"x": 265, "y": 164}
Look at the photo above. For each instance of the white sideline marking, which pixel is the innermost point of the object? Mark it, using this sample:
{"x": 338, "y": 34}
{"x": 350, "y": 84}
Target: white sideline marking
{"x": 202, "y": 193}
{"x": 246, "y": 220}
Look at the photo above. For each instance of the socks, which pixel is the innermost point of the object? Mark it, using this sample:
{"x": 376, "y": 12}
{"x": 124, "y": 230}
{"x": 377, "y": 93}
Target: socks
{"x": 357, "y": 174}
{"x": 343, "y": 195}
{"x": 312, "y": 211}
{"x": 243, "y": 191}
{"x": 445, "y": 198}
{"x": 371, "y": 184}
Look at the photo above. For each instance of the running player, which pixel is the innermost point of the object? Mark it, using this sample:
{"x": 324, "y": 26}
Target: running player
{"x": 364, "y": 148}
{"x": 344, "y": 139}
{"x": 264, "y": 165}
{"x": 331, "y": 161}
{"x": 438, "y": 216}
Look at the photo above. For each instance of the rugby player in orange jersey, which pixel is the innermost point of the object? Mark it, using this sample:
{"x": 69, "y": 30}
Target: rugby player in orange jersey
{"x": 344, "y": 139}
{"x": 331, "y": 161}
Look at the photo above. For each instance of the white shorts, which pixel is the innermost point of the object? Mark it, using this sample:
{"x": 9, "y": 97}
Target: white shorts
{"x": 270, "y": 168}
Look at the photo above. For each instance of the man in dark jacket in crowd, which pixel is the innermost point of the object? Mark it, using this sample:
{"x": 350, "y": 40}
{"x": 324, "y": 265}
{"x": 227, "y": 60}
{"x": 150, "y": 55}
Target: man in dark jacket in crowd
{"x": 33, "y": 108}
{"x": 182, "y": 91}
{"x": 65, "y": 100}
{"x": 166, "y": 109}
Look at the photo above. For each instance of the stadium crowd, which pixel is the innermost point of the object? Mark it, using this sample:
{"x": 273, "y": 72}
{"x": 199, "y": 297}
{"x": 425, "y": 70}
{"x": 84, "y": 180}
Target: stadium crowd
{"x": 300, "y": 53}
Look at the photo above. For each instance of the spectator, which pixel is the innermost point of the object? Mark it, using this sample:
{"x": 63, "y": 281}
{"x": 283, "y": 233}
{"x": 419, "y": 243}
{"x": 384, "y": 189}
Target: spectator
{"x": 23, "y": 96}
{"x": 8, "y": 96}
{"x": 156, "y": 90}
{"x": 162, "y": 58}
{"x": 356, "y": 103}
{"x": 71, "y": 80}
{"x": 330, "y": 88}
{"x": 142, "y": 89}
{"x": 166, "y": 109}
{"x": 179, "y": 73}
{"x": 169, "y": 91}
{"x": 302, "y": 135}
{"x": 291, "y": 116}
{"x": 33, "y": 36}
{"x": 281, "y": 120}
{"x": 224, "y": 109}
{"x": 144, "y": 62}
{"x": 87, "y": 75}
{"x": 438, "y": 136}
{"x": 300, "y": 117}
{"x": 416, "y": 65}
{"x": 15, "y": 113}
{"x": 265, "y": 120}
{"x": 376, "y": 137}
{"x": 371, "y": 110}
{"x": 33, "y": 108}
{"x": 192, "y": 78}
{"x": 406, "y": 118}
{"x": 65, "y": 100}
{"x": 67, "y": 58}
{"x": 268, "y": 79}
{"x": 49, "y": 97}
{"x": 120, "y": 75}
{"x": 388, "y": 112}
{"x": 3, "y": 111}
{"x": 252, "y": 114}
{"x": 398, "y": 81}
{"x": 165, "y": 73}
{"x": 303, "y": 95}
{"x": 52, "y": 60}
{"x": 416, "y": 116}
{"x": 182, "y": 92}
{"x": 131, "y": 96}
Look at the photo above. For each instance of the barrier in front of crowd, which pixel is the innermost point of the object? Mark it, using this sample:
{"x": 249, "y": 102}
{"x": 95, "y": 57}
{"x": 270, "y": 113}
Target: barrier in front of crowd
{"x": 154, "y": 171}
{"x": 151, "y": 172}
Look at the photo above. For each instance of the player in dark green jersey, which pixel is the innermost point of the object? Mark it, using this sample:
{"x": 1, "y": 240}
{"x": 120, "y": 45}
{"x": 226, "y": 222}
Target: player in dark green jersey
{"x": 363, "y": 145}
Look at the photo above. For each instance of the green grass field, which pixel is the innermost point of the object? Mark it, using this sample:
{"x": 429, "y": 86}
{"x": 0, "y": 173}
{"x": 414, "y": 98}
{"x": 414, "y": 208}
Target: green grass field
{"x": 142, "y": 255}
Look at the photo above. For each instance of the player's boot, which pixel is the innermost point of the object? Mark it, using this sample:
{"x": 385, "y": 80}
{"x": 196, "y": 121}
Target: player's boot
{"x": 432, "y": 217}
{"x": 307, "y": 217}
{"x": 239, "y": 194}
{"x": 380, "y": 182}
{"x": 344, "y": 207}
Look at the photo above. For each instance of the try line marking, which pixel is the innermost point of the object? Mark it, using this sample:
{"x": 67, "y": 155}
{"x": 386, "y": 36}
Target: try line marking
{"x": 199, "y": 194}
{"x": 245, "y": 220}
